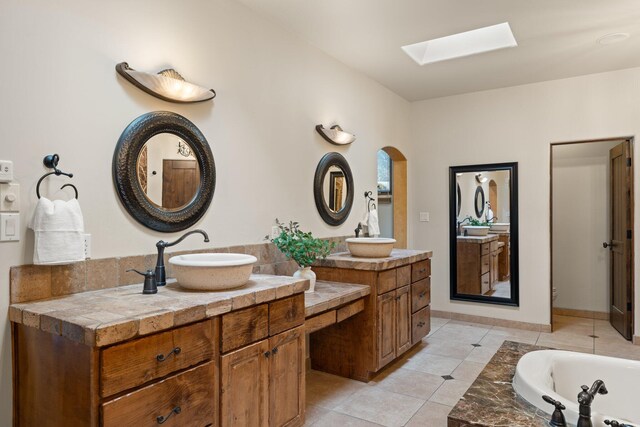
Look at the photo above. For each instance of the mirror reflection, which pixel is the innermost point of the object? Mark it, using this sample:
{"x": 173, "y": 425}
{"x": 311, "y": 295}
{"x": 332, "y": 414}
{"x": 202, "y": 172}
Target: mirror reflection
{"x": 482, "y": 227}
{"x": 335, "y": 189}
{"x": 168, "y": 172}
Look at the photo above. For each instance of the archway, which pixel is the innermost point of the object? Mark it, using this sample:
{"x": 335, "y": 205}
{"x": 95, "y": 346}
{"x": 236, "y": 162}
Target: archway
{"x": 398, "y": 194}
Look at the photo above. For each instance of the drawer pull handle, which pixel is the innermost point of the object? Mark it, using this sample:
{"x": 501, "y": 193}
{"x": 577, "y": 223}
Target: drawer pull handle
{"x": 422, "y": 270}
{"x": 162, "y": 419}
{"x": 420, "y": 324}
{"x": 422, "y": 294}
{"x": 162, "y": 357}
{"x": 267, "y": 354}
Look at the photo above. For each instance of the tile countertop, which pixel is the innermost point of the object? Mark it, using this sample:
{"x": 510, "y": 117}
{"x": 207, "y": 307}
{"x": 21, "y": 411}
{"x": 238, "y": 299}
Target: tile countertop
{"x": 107, "y": 316}
{"x": 399, "y": 257}
{"x": 478, "y": 239}
{"x": 330, "y": 295}
{"x": 491, "y": 400}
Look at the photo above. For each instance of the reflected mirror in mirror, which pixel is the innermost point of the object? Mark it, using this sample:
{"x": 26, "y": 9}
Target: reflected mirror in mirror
{"x": 168, "y": 172}
{"x": 484, "y": 233}
{"x": 335, "y": 189}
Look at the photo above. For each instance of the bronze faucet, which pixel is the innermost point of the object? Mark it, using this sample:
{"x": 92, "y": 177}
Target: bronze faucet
{"x": 161, "y": 278}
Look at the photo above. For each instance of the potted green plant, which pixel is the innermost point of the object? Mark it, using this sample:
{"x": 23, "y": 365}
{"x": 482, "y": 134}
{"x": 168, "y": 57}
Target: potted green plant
{"x": 303, "y": 248}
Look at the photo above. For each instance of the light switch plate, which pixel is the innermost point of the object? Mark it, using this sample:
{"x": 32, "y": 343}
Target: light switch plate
{"x": 10, "y": 197}
{"x": 424, "y": 216}
{"x": 6, "y": 171}
{"x": 9, "y": 227}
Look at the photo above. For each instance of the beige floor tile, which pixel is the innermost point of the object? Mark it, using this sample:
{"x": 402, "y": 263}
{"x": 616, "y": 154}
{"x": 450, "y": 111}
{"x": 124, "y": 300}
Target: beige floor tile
{"x": 413, "y": 383}
{"x": 449, "y": 348}
{"x": 430, "y": 363}
{"x": 430, "y": 415}
{"x": 468, "y": 371}
{"x": 329, "y": 391}
{"x": 381, "y": 406}
{"x": 481, "y": 355}
{"x": 334, "y": 419}
{"x": 565, "y": 339}
{"x": 450, "y": 392}
{"x": 517, "y": 335}
{"x": 313, "y": 413}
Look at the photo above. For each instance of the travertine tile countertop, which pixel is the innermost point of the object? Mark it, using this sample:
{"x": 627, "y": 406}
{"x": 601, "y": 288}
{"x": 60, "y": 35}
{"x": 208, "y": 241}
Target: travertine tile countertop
{"x": 492, "y": 401}
{"x": 107, "y": 316}
{"x": 330, "y": 295}
{"x": 478, "y": 239}
{"x": 399, "y": 257}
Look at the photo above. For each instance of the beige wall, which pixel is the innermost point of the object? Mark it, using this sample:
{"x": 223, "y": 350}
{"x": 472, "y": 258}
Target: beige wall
{"x": 60, "y": 93}
{"x": 514, "y": 124}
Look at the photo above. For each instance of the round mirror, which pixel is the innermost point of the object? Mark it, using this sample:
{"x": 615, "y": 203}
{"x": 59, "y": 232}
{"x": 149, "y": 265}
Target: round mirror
{"x": 479, "y": 201}
{"x": 459, "y": 199}
{"x": 164, "y": 171}
{"x": 333, "y": 189}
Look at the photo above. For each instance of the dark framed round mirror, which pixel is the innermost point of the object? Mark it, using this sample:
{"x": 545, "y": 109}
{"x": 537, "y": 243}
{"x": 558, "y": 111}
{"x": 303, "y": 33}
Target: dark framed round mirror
{"x": 164, "y": 172}
{"x": 479, "y": 201}
{"x": 333, "y": 188}
{"x": 459, "y": 199}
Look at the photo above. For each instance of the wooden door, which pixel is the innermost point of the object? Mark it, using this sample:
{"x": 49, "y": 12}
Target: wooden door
{"x": 179, "y": 182}
{"x": 286, "y": 383}
{"x": 244, "y": 377}
{"x": 621, "y": 245}
{"x": 403, "y": 320}
{"x": 493, "y": 197}
{"x": 386, "y": 323}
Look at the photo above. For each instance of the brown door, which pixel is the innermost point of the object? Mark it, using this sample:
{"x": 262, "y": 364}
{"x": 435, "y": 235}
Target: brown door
{"x": 493, "y": 197}
{"x": 386, "y": 328}
{"x": 244, "y": 376}
{"x": 621, "y": 245}
{"x": 179, "y": 182}
{"x": 403, "y": 312}
{"x": 286, "y": 384}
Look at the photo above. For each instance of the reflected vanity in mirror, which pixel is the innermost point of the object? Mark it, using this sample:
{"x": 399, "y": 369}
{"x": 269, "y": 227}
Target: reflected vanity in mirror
{"x": 483, "y": 230}
{"x": 164, "y": 172}
{"x": 333, "y": 188}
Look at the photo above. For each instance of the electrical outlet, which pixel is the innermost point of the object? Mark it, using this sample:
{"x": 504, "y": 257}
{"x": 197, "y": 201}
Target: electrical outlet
{"x": 275, "y": 231}
{"x": 424, "y": 216}
{"x": 6, "y": 171}
{"x": 87, "y": 246}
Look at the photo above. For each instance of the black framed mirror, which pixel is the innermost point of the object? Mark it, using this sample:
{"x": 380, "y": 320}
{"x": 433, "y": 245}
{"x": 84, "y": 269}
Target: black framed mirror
{"x": 479, "y": 201}
{"x": 333, "y": 188}
{"x": 484, "y": 245}
{"x": 164, "y": 172}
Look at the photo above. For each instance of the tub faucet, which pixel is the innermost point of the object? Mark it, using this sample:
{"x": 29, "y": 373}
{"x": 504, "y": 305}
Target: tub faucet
{"x": 161, "y": 278}
{"x": 557, "y": 418}
{"x": 614, "y": 423}
{"x": 585, "y": 398}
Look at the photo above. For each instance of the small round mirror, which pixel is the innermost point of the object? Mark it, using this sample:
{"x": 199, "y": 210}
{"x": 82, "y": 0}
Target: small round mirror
{"x": 333, "y": 188}
{"x": 479, "y": 201}
{"x": 458, "y": 199}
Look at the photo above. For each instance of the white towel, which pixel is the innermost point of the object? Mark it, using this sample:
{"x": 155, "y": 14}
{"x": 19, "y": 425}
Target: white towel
{"x": 59, "y": 229}
{"x": 372, "y": 223}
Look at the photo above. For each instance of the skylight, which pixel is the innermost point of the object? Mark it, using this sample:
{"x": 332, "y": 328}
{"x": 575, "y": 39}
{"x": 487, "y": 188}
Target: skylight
{"x": 472, "y": 42}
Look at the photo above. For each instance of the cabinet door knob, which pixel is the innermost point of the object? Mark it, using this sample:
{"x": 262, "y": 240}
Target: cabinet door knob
{"x": 162, "y": 357}
{"x": 162, "y": 419}
{"x": 275, "y": 350}
{"x": 420, "y": 324}
{"x": 267, "y": 354}
{"x": 422, "y": 294}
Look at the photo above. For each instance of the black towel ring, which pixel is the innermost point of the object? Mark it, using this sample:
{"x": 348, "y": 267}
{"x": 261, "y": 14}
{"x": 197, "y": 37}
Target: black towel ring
{"x": 51, "y": 161}
{"x": 72, "y": 186}
{"x": 370, "y": 200}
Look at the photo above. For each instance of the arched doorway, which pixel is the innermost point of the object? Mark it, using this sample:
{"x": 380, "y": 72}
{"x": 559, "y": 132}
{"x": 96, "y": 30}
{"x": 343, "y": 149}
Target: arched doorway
{"x": 395, "y": 193}
{"x": 493, "y": 196}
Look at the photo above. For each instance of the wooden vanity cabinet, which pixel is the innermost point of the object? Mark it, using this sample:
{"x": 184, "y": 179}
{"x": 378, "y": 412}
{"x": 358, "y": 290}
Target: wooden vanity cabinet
{"x": 477, "y": 266}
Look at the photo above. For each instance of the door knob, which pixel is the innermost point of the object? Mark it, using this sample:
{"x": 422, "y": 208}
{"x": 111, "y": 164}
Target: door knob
{"x": 607, "y": 245}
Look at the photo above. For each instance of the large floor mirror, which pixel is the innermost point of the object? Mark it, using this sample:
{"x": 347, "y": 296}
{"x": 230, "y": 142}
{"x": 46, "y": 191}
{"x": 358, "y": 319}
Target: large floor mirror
{"x": 483, "y": 229}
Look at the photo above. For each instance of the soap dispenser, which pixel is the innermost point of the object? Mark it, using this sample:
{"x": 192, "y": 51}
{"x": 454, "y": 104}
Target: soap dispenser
{"x": 150, "y": 286}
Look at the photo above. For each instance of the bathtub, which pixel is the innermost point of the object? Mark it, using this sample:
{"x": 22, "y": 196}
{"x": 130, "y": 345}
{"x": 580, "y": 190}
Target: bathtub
{"x": 560, "y": 374}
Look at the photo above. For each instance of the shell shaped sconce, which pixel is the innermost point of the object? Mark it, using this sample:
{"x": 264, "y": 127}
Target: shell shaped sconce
{"x": 167, "y": 85}
{"x": 335, "y": 135}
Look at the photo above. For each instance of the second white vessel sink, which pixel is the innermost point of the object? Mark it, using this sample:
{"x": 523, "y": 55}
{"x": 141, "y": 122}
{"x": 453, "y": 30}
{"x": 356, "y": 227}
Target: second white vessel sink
{"x": 500, "y": 226}
{"x": 212, "y": 272}
{"x": 370, "y": 247}
{"x": 476, "y": 230}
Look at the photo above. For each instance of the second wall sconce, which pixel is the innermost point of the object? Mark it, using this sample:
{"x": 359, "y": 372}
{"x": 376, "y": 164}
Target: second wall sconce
{"x": 335, "y": 135}
{"x": 167, "y": 85}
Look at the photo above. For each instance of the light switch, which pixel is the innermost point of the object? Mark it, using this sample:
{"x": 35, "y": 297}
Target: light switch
{"x": 424, "y": 216}
{"x": 10, "y": 197}
{"x": 9, "y": 227}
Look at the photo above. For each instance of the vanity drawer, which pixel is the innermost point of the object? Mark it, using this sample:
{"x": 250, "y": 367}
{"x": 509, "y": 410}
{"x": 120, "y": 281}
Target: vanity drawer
{"x": 188, "y": 399}
{"x": 485, "y": 283}
{"x": 485, "y": 264}
{"x": 286, "y": 313}
{"x": 420, "y": 324}
{"x": 243, "y": 327}
{"x": 386, "y": 281}
{"x": 403, "y": 276}
{"x": 420, "y": 294}
{"x": 420, "y": 270}
{"x": 136, "y": 362}
{"x": 485, "y": 249}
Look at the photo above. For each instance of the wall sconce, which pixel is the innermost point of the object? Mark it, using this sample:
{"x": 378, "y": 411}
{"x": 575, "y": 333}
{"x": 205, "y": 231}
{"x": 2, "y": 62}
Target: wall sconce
{"x": 335, "y": 135}
{"x": 481, "y": 179}
{"x": 167, "y": 85}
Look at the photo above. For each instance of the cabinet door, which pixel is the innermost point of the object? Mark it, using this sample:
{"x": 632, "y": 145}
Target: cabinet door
{"x": 494, "y": 268}
{"x": 386, "y": 323}
{"x": 403, "y": 320}
{"x": 286, "y": 384}
{"x": 245, "y": 386}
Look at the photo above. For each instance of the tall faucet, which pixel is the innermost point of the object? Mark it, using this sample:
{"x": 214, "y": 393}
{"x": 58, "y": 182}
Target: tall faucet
{"x": 460, "y": 223}
{"x": 161, "y": 278}
{"x": 585, "y": 398}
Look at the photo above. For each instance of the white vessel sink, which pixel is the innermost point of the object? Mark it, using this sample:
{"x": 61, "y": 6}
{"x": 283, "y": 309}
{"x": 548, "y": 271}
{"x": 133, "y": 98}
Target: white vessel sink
{"x": 370, "y": 247}
{"x": 212, "y": 272}
{"x": 500, "y": 226}
{"x": 476, "y": 230}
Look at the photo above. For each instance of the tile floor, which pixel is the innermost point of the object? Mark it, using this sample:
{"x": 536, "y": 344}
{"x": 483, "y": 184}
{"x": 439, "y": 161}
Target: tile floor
{"x": 421, "y": 387}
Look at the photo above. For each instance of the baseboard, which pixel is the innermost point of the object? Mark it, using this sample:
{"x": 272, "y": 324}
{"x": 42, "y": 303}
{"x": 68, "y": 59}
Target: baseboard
{"x": 536, "y": 327}
{"x": 636, "y": 340}
{"x": 587, "y": 314}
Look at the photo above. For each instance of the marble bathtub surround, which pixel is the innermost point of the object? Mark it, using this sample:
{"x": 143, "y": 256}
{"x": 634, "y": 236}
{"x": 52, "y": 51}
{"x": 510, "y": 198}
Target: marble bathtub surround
{"x": 398, "y": 258}
{"x": 103, "y": 317}
{"x": 36, "y": 282}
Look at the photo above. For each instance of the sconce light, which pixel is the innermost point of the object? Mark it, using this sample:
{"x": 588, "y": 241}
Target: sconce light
{"x": 335, "y": 135}
{"x": 167, "y": 85}
{"x": 481, "y": 179}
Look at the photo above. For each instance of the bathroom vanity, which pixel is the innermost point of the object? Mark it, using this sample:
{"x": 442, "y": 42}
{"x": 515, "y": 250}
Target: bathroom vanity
{"x": 478, "y": 263}
{"x": 115, "y": 357}
{"x": 394, "y": 317}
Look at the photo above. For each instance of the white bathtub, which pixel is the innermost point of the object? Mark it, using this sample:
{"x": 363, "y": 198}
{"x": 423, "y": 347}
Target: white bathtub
{"x": 560, "y": 374}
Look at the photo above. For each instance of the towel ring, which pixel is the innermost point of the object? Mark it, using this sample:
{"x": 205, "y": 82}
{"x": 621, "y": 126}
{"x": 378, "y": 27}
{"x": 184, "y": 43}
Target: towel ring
{"x": 72, "y": 186}
{"x": 51, "y": 162}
